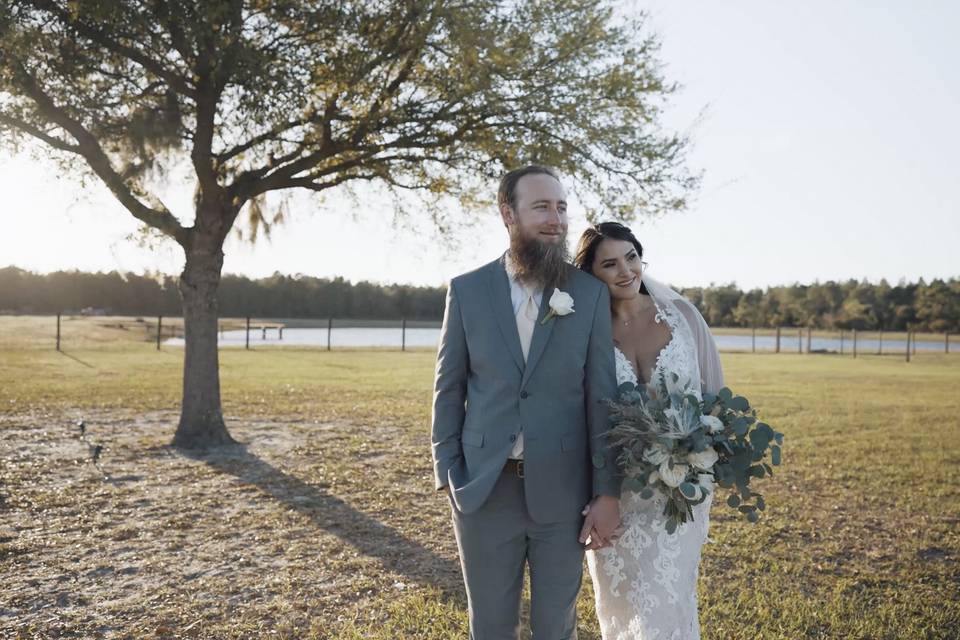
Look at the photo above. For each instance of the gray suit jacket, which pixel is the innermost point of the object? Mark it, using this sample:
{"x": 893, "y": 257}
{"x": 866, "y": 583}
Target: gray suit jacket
{"x": 484, "y": 393}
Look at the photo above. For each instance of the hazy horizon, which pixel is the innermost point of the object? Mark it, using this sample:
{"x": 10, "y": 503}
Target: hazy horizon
{"x": 387, "y": 283}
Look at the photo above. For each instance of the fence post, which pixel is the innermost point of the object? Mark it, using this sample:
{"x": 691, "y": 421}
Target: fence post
{"x": 799, "y": 340}
{"x": 753, "y": 341}
{"x": 159, "y": 330}
{"x": 909, "y": 335}
{"x": 403, "y": 343}
{"x": 248, "y": 334}
{"x": 841, "y": 341}
{"x": 778, "y": 339}
{"x": 329, "y": 331}
{"x": 913, "y": 342}
{"x": 854, "y": 343}
{"x": 809, "y": 332}
{"x": 880, "y": 344}
{"x": 58, "y": 331}
{"x": 281, "y": 332}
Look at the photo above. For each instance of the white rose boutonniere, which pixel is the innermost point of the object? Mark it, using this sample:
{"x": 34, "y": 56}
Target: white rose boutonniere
{"x": 561, "y": 304}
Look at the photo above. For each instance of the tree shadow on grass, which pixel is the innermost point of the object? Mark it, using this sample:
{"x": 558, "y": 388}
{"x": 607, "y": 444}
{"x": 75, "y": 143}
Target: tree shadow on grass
{"x": 363, "y": 532}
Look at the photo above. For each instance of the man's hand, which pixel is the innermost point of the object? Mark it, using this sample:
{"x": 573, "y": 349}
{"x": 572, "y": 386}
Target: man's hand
{"x": 602, "y": 520}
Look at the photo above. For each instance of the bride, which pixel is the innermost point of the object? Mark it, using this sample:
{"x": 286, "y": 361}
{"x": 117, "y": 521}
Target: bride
{"x": 646, "y": 582}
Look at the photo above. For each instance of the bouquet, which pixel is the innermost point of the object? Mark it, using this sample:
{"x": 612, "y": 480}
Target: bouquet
{"x": 675, "y": 442}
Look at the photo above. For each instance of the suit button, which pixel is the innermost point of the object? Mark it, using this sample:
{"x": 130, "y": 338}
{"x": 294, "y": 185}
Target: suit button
{"x": 513, "y": 438}
{"x": 524, "y": 395}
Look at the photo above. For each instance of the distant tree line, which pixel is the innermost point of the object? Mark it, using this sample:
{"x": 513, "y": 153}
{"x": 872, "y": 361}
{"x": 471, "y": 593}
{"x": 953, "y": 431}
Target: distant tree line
{"x": 278, "y": 296}
{"x": 835, "y": 305}
{"x": 933, "y": 306}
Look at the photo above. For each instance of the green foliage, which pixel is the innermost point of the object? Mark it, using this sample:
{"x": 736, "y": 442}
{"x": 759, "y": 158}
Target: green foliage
{"x": 660, "y": 429}
{"x": 745, "y": 442}
{"x": 832, "y": 305}
{"x": 418, "y": 95}
{"x": 277, "y": 296}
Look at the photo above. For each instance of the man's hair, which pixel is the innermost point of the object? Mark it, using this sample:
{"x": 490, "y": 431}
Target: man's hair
{"x": 507, "y": 194}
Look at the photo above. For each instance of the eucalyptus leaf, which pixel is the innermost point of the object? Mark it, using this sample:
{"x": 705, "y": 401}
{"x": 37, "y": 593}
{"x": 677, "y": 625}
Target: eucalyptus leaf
{"x": 740, "y": 426}
{"x": 671, "y": 525}
{"x": 688, "y": 490}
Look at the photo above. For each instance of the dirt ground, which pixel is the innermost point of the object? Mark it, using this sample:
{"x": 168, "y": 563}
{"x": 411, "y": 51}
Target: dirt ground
{"x": 248, "y": 540}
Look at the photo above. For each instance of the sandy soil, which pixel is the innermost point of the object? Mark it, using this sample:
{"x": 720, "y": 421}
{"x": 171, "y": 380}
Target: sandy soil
{"x": 288, "y": 533}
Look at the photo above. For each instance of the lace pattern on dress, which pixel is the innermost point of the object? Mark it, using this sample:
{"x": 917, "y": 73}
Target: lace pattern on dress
{"x": 646, "y": 584}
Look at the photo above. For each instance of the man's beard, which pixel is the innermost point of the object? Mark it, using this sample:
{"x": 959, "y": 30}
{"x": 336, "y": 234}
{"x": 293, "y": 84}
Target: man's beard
{"x": 539, "y": 263}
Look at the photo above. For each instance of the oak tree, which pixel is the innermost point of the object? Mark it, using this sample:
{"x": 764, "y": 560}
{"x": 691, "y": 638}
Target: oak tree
{"x": 433, "y": 97}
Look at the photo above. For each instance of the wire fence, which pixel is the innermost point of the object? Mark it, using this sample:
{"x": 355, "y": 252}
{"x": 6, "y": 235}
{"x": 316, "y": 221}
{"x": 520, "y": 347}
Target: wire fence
{"x": 65, "y": 331}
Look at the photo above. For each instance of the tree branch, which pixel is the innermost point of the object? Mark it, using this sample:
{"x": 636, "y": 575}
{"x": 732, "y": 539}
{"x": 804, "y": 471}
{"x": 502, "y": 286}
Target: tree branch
{"x": 39, "y": 134}
{"x": 88, "y": 147}
{"x": 176, "y": 82}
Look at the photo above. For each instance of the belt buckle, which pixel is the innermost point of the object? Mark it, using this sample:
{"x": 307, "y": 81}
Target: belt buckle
{"x": 519, "y": 468}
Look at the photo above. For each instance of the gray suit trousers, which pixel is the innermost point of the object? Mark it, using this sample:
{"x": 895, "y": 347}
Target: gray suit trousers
{"x": 496, "y": 542}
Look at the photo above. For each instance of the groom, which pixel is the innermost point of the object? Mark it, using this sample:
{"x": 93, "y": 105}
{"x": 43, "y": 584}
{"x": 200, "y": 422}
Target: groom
{"x": 518, "y": 418}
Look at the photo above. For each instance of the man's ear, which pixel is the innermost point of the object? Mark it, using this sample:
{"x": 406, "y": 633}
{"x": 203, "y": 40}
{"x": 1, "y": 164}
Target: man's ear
{"x": 507, "y": 214}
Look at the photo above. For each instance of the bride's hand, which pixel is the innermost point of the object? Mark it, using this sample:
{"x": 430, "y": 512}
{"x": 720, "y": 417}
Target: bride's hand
{"x": 602, "y": 518}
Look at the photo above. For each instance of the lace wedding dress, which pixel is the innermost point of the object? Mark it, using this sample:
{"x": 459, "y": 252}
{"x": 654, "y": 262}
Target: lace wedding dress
{"x": 646, "y": 583}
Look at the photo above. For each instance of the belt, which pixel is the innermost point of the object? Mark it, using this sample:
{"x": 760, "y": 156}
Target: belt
{"x": 514, "y": 467}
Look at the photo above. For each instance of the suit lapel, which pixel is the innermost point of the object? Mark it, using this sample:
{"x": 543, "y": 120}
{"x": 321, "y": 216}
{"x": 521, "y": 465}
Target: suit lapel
{"x": 500, "y": 302}
{"x": 541, "y": 335}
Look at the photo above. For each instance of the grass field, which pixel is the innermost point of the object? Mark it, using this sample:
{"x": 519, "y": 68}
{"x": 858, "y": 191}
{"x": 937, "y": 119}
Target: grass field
{"x": 324, "y": 524}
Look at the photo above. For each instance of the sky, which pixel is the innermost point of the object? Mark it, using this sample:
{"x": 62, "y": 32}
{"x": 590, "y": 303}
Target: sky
{"x": 827, "y": 133}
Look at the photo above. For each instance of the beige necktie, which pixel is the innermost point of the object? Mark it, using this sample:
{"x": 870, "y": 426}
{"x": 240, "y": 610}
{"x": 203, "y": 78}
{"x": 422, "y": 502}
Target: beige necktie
{"x": 526, "y": 321}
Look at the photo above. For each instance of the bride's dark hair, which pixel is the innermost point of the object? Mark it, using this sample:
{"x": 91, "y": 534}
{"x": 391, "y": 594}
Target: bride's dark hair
{"x": 593, "y": 236}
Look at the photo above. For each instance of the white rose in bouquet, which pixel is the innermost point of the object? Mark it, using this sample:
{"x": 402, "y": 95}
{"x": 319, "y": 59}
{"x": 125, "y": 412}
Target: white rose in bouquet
{"x": 679, "y": 386}
{"x": 704, "y": 460}
{"x": 712, "y": 423}
{"x": 656, "y": 454}
{"x": 673, "y": 477}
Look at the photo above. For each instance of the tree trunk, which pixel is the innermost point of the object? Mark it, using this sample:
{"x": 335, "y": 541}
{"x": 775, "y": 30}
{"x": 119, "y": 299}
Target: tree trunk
{"x": 201, "y": 419}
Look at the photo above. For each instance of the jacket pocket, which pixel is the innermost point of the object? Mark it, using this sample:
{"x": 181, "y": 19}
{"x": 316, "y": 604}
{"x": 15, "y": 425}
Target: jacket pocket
{"x": 472, "y": 438}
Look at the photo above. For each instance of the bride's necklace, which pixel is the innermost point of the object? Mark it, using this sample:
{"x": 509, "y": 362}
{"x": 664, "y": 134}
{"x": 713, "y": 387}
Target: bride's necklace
{"x": 642, "y": 312}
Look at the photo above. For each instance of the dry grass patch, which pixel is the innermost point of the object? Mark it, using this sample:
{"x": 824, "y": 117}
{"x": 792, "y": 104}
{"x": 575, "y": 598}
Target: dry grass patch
{"x": 325, "y": 523}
